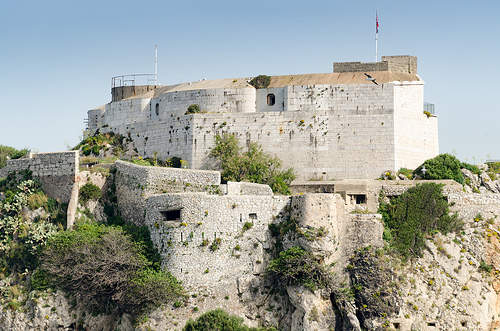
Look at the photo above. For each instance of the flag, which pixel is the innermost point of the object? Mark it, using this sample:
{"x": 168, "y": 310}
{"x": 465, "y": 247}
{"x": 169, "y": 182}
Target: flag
{"x": 377, "y": 21}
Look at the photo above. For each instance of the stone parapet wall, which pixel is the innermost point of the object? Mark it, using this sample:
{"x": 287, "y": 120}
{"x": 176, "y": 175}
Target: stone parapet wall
{"x": 360, "y": 66}
{"x": 56, "y": 171}
{"x": 135, "y": 183}
{"x": 469, "y": 205}
{"x": 450, "y": 187}
{"x": 397, "y": 63}
{"x": 244, "y": 188}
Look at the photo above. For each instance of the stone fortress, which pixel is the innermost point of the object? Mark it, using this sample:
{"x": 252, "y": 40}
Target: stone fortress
{"x": 215, "y": 237}
{"x": 326, "y": 126}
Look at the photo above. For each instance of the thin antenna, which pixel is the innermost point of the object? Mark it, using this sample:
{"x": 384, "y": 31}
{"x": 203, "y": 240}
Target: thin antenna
{"x": 376, "y": 39}
{"x": 156, "y": 65}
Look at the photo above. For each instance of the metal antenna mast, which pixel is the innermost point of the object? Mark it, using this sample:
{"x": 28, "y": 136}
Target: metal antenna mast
{"x": 156, "y": 65}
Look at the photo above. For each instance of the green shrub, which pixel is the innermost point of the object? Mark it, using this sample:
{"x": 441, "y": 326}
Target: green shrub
{"x": 219, "y": 320}
{"x": 253, "y": 165}
{"x": 421, "y": 210}
{"x": 89, "y": 191}
{"x": 445, "y": 166}
{"x": 295, "y": 266}
{"x": 261, "y": 81}
{"x": 247, "y": 226}
{"x": 193, "y": 109}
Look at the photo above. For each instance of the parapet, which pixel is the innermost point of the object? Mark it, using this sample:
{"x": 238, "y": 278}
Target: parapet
{"x": 396, "y": 63}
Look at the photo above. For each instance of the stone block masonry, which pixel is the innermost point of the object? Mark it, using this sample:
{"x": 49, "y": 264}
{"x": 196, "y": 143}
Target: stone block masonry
{"x": 56, "y": 171}
{"x": 134, "y": 184}
{"x": 203, "y": 239}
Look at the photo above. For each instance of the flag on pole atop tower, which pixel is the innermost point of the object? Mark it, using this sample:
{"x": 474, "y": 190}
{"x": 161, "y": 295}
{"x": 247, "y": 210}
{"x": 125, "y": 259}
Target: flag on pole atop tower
{"x": 377, "y": 21}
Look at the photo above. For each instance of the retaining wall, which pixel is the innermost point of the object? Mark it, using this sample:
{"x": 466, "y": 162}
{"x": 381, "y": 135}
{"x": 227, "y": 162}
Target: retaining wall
{"x": 56, "y": 171}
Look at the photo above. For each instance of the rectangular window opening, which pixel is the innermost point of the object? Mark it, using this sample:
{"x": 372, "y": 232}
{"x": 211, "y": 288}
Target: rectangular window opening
{"x": 171, "y": 215}
{"x": 431, "y": 324}
{"x": 252, "y": 216}
{"x": 360, "y": 199}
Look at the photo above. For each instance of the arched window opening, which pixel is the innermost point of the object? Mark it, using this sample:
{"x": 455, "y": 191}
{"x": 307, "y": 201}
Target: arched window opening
{"x": 271, "y": 99}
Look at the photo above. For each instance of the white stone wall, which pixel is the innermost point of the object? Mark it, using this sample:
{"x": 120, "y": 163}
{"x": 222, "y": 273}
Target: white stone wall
{"x": 241, "y": 100}
{"x": 208, "y": 217}
{"x": 344, "y": 99}
{"x": 134, "y": 184}
{"x": 261, "y": 99}
{"x": 324, "y": 131}
{"x": 415, "y": 134}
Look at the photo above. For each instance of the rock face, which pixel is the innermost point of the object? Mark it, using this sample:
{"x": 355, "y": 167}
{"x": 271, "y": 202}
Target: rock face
{"x": 52, "y": 311}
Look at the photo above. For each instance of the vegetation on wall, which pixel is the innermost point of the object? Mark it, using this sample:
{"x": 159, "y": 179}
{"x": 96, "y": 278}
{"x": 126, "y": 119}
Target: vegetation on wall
{"x": 7, "y": 152}
{"x": 295, "y": 266}
{"x": 219, "y": 320}
{"x": 261, "y": 81}
{"x": 420, "y": 211}
{"x": 193, "y": 109}
{"x": 101, "y": 141}
{"x": 253, "y": 165}
{"x": 445, "y": 166}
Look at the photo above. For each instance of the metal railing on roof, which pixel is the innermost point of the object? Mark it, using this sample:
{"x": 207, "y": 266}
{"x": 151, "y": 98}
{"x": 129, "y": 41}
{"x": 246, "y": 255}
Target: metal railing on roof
{"x": 429, "y": 107}
{"x": 132, "y": 80}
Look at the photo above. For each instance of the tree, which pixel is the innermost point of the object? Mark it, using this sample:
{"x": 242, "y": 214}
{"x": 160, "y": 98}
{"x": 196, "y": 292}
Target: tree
{"x": 7, "y": 152}
{"x": 261, "y": 81}
{"x": 106, "y": 270}
{"x": 421, "y": 210}
{"x": 253, "y": 165}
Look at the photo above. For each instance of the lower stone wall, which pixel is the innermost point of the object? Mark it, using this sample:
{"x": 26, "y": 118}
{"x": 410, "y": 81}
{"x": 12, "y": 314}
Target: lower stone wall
{"x": 134, "y": 184}
{"x": 56, "y": 171}
{"x": 208, "y": 246}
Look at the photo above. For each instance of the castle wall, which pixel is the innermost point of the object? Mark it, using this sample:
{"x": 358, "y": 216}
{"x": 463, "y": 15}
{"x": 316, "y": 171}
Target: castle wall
{"x": 262, "y": 102}
{"x": 211, "y": 217}
{"x": 322, "y": 131}
{"x": 397, "y": 63}
{"x": 56, "y": 171}
{"x": 241, "y": 100}
{"x": 134, "y": 184}
{"x": 317, "y": 144}
{"x": 415, "y": 134}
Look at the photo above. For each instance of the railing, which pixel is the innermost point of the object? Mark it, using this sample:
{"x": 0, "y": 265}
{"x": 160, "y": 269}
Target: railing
{"x": 132, "y": 80}
{"x": 429, "y": 107}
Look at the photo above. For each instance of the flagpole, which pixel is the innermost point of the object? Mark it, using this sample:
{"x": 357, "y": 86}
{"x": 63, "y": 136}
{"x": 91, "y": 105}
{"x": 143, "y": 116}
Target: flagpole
{"x": 376, "y": 39}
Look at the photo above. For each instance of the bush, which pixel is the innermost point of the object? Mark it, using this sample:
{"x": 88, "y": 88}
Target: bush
{"x": 219, "y": 320}
{"x": 261, "y": 81}
{"x": 106, "y": 269}
{"x": 254, "y": 165}
{"x": 445, "y": 166}
{"x": 421, "y": 210}
{"x": 295, "y": 266}
{"x": 89, "y": 191}
{"x": 193, "y": 109}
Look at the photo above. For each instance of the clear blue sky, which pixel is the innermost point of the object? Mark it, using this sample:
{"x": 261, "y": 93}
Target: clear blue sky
{"x": 58, "y": 57}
